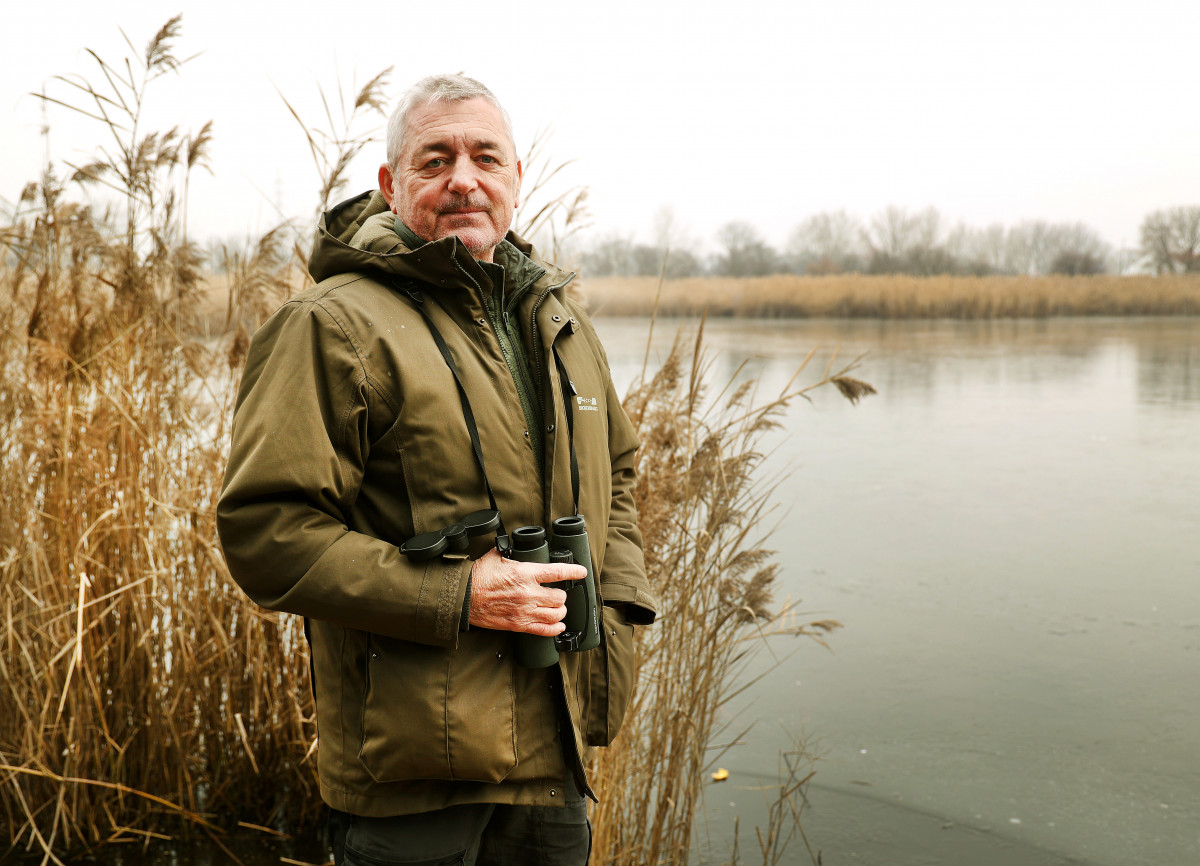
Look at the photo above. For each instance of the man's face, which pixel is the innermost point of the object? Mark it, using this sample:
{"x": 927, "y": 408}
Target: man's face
{"x": 457, "y": 175}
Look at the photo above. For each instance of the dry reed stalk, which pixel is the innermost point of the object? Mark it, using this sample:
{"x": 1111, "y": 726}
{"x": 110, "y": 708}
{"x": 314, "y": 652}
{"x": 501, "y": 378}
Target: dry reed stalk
{"x": 556, "y": 217}
{"x": 901, "y": 297}
{"x": 702, "y": 505}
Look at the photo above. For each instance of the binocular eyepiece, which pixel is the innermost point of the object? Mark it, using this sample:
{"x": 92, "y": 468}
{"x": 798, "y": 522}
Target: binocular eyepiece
{"x": 567, "y": 543}
{"x": 455, "y": 538}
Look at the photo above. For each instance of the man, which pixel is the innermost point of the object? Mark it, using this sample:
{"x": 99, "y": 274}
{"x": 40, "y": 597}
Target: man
{"x": 351, "y": 436}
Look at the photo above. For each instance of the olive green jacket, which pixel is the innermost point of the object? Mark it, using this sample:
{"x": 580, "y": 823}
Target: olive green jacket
{"x": 349, "y": 438}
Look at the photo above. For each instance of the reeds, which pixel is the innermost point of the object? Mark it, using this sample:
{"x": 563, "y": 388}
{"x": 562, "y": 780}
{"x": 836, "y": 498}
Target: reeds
{"x": 901, "y": 297}
{"x": 139, "y": 685}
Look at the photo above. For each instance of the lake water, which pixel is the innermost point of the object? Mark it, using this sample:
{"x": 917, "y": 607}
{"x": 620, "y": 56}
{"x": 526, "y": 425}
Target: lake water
{"x": 1010, "y": 532}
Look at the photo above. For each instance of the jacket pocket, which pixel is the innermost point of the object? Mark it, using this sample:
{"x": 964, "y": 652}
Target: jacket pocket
{"x": 611, "y": 679}
{"x": 436, "y": 713}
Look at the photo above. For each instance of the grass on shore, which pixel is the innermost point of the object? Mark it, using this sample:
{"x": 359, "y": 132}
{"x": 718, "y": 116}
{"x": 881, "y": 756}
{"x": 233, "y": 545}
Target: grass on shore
{"x": 898, "y": 296}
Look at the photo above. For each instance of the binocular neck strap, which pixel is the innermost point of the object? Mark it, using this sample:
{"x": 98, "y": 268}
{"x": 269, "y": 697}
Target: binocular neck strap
{"x": 468, "y": 416}
{"x": 568, "y": 394}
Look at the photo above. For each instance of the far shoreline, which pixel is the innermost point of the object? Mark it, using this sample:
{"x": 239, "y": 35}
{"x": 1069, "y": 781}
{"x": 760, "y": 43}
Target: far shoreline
{"x": 859, "y": 296}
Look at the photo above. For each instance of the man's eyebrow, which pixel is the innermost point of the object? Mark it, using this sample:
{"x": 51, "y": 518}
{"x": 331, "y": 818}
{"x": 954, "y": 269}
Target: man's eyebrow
{"x": 444, "y": 147}
{"x": 434, "y": 147}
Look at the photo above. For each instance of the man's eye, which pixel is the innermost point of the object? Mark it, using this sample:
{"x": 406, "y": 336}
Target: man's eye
{"x": 437, "y": 162}
{"x": 487, "y": 158}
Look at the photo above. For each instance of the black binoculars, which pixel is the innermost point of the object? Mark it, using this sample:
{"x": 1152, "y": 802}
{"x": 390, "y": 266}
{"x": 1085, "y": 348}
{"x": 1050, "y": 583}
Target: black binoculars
{"x": 567, "y": 543}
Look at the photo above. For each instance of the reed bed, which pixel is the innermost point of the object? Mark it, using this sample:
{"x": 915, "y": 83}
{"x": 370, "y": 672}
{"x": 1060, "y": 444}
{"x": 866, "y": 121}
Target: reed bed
{"x": 139, "y": 686}
{"x": 145, "y": 697}
{"x": 900, "y": 297}
{"x": 704, "y": 508}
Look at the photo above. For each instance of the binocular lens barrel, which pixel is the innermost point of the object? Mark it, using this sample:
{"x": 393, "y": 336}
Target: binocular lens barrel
{"x": 529, "y": 545}
{"x": 570, "y": 533}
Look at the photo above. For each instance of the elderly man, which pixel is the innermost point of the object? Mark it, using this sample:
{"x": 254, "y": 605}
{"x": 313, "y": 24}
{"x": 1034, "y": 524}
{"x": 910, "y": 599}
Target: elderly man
{"x": 437, "y": 370}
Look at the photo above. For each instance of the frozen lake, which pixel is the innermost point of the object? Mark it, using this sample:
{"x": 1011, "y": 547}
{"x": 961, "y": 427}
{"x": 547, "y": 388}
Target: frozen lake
{"x": 1010, "y": 532}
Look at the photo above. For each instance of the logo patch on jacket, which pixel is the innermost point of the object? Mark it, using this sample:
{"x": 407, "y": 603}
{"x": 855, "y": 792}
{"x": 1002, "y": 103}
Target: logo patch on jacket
{"x": 587, "y": 404}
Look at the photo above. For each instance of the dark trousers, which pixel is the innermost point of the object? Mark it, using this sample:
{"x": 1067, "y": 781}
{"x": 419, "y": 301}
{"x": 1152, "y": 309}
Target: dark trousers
{"x": 486, "y": 834}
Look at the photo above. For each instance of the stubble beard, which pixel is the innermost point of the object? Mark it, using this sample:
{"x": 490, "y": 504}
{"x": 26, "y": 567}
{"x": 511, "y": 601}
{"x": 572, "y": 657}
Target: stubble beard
{"x": 472, "y": 236}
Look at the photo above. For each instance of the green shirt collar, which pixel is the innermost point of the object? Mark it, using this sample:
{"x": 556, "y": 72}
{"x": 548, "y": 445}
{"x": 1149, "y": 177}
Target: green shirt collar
{"x": 407, "y": 235}
{"x": 510, "y": 265}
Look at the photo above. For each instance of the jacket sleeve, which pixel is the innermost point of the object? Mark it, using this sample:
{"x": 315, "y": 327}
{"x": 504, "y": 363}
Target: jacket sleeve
{"x": 299, "y": 445}
{"x": 623, "y": 578}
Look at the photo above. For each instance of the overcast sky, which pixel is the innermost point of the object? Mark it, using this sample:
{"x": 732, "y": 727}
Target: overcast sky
{"x": 760, "y": 111}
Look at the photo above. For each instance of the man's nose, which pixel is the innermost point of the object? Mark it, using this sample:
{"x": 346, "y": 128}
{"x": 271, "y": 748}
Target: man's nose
{"x": 463, "y": 176}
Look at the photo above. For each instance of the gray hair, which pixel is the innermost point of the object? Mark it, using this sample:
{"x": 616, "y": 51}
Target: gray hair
{"x": 436, "y": 88}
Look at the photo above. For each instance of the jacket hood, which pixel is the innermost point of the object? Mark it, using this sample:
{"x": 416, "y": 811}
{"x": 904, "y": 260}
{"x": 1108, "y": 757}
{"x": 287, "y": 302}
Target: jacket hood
{"x": 356, "y": 236}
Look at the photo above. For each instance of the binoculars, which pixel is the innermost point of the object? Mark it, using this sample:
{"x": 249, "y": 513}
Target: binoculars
{"x": 567, "y": 543}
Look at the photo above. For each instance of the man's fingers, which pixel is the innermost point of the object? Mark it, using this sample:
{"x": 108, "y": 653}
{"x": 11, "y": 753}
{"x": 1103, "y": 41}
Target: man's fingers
{"x": 548, "y": 615}
{"x": 554, "y": 572}
{"x": 514, "y": 596}
{"x": 542, "y": 629}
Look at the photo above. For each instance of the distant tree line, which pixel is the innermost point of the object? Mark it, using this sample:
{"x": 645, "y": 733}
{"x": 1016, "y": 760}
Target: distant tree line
{"x": 898, "y": 241}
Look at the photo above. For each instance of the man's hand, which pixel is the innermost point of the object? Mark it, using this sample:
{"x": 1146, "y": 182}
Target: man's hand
{"x": 508, "y": 595}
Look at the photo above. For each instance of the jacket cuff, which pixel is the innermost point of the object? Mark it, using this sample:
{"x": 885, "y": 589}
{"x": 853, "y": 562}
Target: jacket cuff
{"x": 464, "y": 620}
{"x": 449, "y": 573}
{"x": 640, "y": 606}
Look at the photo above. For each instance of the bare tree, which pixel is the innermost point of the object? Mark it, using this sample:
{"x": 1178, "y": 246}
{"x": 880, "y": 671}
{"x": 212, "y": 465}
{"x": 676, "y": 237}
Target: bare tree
{"x": 826, "y": 243}
{"x": 1029, "y": 247}
{"x": 1077, "y": 263}
{"x": 1171, "y": 239}
{"x": 745, "y": 254}
{"x": 610, "y": 256}
{"x": 1037, "y": 247}
{"x": 1080, "y": 250}
{"x": 903, "y": 242}
{"x": 979, "y": 251}
{"x": 674, "y": 243}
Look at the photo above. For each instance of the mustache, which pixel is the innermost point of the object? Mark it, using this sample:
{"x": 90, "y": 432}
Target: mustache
{"x": 465, "y": 202}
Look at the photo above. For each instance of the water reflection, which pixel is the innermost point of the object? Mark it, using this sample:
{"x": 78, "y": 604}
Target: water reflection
{"x": 1169, "y": 372}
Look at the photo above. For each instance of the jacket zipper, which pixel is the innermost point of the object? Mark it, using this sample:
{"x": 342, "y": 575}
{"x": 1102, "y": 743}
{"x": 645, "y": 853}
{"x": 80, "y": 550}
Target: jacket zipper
{"x": 526, "y": 395}
{"x": 520, "y": 377}
{"x": 578, "y": 771}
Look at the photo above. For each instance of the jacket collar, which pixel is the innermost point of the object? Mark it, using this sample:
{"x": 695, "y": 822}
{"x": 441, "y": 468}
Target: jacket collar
{"x": 445, "y": 263}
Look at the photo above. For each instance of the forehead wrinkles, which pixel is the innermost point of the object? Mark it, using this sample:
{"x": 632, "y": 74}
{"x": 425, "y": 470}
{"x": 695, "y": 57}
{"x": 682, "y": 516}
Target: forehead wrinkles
{"x": 457, "y": 127}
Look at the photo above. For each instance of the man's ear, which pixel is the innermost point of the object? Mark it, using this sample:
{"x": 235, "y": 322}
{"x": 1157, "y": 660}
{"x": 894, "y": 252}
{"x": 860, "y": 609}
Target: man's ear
{"x": 386, "y": 183}
{"x": 517, "y": 191}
